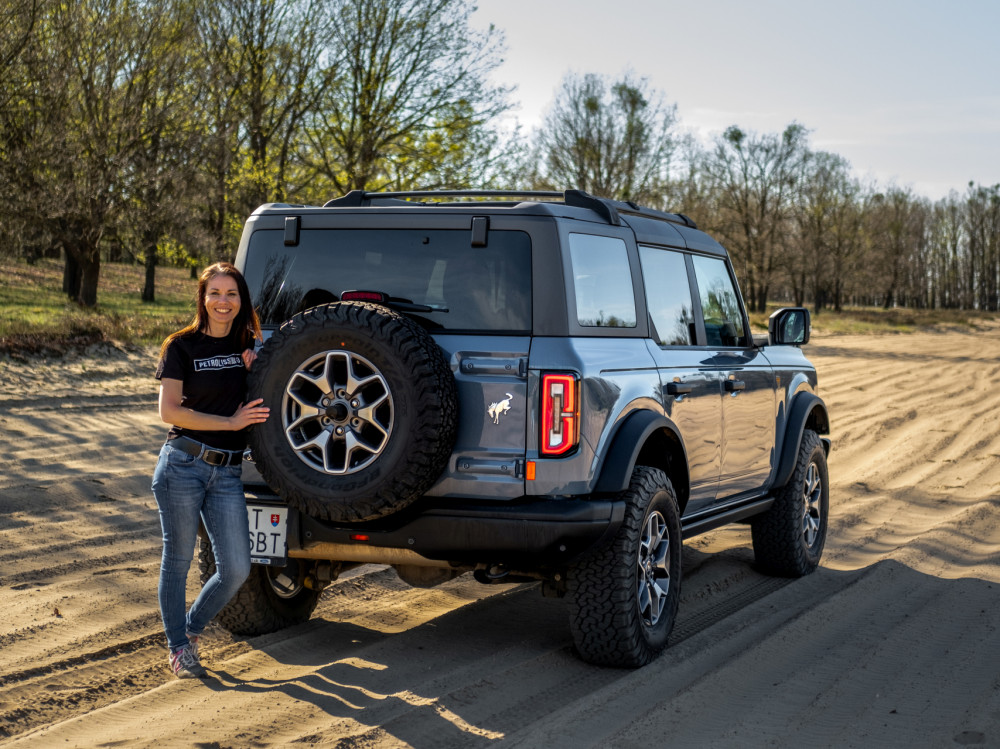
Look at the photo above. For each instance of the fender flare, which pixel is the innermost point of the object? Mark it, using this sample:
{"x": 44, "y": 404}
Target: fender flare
{"x": 801, "y": 410}
{"x": 626, "y": 444}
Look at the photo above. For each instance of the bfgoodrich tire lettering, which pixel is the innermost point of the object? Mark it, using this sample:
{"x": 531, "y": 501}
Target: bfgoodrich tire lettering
{"x": 623, "y": 599}
{"x": 788, "y": 539}
{"x": 364, "y": 411}
{"x": 270, "y": 599}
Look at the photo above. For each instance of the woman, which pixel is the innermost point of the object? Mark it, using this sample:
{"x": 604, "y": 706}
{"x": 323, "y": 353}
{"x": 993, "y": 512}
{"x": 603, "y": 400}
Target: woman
{"x": 203, "y": 374}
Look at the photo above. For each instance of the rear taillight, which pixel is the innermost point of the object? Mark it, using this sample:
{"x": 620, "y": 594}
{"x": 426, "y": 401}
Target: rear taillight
{"x": 560, "y": 414}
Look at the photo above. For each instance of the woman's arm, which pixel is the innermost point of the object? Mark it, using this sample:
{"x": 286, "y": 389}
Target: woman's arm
{"x": 172, "y": 412}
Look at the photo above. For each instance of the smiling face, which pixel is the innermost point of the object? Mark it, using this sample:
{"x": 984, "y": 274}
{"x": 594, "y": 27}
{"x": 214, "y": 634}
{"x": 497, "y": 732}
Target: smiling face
{"x": 222, "y": 304}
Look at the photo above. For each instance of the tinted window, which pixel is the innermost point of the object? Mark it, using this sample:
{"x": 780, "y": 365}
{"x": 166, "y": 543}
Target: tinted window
{"x": 719, "y": 303}
{"x": 603, "y": 282}
{"x": 467, "y": 288}
{"x": 668, "y": 296}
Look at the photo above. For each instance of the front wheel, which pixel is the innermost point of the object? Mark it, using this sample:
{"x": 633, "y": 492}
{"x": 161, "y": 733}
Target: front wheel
{"x": 623, "y": 599}
{"x": 270, "y": 599}
{"x": 788, "y": 539}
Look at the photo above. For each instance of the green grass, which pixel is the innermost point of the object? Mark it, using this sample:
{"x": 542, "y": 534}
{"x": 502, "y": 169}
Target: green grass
{"x": 877, "y": 321}
{"x": 35, "y": 314}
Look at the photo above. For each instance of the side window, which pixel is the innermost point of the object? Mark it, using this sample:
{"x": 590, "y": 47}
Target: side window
{"x": 720, "y": 304}
{"x": 668, "y": 296}
{"x": 603, "y": 282}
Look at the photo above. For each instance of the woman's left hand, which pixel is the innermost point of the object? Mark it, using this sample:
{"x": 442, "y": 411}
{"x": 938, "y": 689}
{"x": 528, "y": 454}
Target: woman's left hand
{"x": 249, "y": 357}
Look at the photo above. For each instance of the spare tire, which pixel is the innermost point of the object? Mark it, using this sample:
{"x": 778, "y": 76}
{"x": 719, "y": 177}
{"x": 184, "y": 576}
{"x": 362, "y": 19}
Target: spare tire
{"x": 364, "y": 410}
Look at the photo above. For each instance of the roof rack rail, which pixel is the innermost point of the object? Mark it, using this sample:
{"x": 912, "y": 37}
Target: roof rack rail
{"x": 675, "y": 218}
{"x": 356, "y": 198}
{"x": 603, "y": 207}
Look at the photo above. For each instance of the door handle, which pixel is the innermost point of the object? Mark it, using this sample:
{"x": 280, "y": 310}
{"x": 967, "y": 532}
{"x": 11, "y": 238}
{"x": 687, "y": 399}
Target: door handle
{"x": 733, "y": 385}
{"x": 678, "y": 388}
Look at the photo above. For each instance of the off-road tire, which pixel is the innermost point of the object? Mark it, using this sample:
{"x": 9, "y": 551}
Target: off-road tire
{"x": 788, "y": 539}
{"x": 605, "y": 589}
{"x": 414, "y": 437}
{"x": 257, "y": 608}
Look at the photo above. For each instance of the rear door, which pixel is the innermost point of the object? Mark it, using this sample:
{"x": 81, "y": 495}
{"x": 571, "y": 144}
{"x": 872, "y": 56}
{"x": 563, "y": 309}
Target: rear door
{"x": 689, "y": 387}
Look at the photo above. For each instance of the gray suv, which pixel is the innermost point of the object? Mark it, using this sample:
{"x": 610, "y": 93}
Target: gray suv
{"x": 527, "y": 386}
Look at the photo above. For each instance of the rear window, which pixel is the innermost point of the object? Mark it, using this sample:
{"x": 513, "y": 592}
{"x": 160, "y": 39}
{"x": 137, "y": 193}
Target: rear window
{"x": 465, "y": 288}
{"x": 602, "y": 281}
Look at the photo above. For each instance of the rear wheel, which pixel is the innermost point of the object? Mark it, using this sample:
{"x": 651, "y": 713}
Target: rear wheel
{"x": 270, "y": 599}
{"x": 788, "y": 539}
{"x": 623, "y": 599}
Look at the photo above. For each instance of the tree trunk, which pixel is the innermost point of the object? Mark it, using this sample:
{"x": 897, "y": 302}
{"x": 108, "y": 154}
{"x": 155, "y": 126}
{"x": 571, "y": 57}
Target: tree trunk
{"x": 71, "y": 276}
{"x": 819, "y": 299}
{"x": 761, "y": 299}
{"x": 149, "y": 288}
{"x": 90, "y": 274}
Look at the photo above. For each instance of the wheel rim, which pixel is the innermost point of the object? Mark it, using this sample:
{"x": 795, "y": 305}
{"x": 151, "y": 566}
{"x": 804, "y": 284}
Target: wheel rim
{"x": 285, "y": 580}
{"x": 653, "y": 569}
{"x": 337, "y": 412}
{"x": 812, "y": 511}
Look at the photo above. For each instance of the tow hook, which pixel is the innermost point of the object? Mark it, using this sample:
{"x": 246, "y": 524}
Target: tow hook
{"x": 491, "y": 574}
{"x": 321, "y": 576}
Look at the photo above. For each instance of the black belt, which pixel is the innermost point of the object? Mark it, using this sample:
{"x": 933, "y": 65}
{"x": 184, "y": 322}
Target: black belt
{"x": 210, "y": 455}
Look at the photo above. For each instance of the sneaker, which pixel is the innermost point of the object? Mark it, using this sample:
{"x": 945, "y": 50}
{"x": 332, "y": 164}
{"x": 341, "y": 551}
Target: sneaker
{"x": 193, "y": 644}
{"x": 184, "y": 663}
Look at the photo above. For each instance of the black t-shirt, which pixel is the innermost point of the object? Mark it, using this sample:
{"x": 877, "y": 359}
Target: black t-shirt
{"x": 215, "y": 382}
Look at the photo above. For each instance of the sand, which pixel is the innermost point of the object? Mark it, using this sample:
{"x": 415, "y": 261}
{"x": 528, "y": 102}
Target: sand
{"x": 894, "y": 641}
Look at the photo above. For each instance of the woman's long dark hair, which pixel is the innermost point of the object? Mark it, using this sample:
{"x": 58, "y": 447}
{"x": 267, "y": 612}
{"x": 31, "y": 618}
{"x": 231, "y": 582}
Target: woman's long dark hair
{"x": 246, "y": 326}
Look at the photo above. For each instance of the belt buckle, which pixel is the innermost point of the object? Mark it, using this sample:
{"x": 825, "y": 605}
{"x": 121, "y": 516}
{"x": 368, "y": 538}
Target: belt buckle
{"x": 214, "y": 457}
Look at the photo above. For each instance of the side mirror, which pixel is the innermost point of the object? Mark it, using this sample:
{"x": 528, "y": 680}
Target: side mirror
{"x": 789, "y": 326}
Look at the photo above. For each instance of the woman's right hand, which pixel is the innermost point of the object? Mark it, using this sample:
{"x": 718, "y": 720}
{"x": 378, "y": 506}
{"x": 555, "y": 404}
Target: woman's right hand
{"x": 249, "y": 413}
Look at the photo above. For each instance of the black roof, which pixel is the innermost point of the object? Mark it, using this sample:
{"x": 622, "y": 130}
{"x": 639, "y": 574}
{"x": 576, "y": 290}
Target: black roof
{"x": 650, "y": 226}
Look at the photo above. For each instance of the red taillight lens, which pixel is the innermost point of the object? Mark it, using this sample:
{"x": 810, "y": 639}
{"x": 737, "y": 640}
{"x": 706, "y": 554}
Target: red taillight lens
{"x": 560, "y": 414}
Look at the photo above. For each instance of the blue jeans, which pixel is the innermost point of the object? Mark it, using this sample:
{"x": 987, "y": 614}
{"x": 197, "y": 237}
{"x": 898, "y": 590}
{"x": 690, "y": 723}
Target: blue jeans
{"x": 186, "y": 489}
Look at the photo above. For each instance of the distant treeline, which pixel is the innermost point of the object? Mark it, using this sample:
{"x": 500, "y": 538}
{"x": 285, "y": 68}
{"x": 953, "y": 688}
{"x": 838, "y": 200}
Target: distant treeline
{"x": 147, "y": 132}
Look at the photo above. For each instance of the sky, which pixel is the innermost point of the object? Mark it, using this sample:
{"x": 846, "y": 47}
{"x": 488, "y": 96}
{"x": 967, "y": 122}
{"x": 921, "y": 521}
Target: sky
{"x": 908, "y": 91}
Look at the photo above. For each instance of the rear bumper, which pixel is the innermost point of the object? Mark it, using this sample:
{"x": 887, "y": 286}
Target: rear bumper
{"x": 522, "y": 534}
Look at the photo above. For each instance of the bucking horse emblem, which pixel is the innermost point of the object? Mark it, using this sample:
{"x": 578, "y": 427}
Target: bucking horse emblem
{"x": 500, "y": 407}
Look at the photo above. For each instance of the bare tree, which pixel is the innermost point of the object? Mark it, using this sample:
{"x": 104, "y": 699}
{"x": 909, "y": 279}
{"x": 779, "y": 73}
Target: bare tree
{"x": 894, "y": 236}
{"x": 17, "y": 27}
{"x": 755, "y": 179}
{"x": 163, "y": 179}
{"x": 262, "y": 63}
{"x": 613, "y": 139}
{"x": 21, "y": 121}
{"x": 408, "y": 101}
{"x": 983, "y": 231}
{"x": 86, "y": 65}
{"x": 829, "y": 215}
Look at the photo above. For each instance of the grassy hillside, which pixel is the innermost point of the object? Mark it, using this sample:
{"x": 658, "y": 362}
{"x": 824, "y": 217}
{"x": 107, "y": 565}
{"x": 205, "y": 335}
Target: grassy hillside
{"x": 35, "y": 314}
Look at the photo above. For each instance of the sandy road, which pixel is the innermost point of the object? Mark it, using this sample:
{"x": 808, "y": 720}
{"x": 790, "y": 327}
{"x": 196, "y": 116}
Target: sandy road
{"x": 895, "y": 641}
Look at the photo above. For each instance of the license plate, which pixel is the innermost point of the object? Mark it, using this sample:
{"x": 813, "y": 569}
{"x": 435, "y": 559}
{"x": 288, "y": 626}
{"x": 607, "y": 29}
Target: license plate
{"x": 268, "y": 534}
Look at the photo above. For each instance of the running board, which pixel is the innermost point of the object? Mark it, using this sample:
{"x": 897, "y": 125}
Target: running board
{"x": 705, "y": 523}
